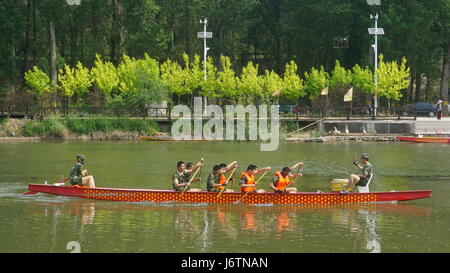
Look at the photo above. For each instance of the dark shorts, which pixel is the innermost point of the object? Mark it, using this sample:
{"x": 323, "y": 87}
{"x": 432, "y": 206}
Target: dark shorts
{"x": 76, "y": 181}
{"x": 362, "y": 182}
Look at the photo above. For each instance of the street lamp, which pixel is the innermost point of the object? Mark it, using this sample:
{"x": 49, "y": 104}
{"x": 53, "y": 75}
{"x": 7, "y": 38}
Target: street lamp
{"x": 375, "y": 31}
{"x": 204, "y": 35}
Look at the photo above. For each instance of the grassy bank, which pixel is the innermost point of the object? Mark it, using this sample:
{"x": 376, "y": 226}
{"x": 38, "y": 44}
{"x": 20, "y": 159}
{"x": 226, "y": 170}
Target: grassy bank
{"x": 64, "y": 127}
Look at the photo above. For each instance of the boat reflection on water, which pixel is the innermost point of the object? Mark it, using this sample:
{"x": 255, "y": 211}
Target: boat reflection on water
{"x": 208, "y": 223}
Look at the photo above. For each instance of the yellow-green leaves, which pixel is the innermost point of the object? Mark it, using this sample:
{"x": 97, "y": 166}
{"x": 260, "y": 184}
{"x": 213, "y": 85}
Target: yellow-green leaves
{"x": 105, "y": 76}
{"x": 226, "y": 80}
{"x": 363, "y": 79}
{"x": 248, "y": 83}
{"x": 292, "y": 83}
{"x": 315, "y": 81}
{"x": 340, "y": 77}
{"x": 75, "y": 80}
{"x": 392, "y": 78}
{"x": 38, "y": 81}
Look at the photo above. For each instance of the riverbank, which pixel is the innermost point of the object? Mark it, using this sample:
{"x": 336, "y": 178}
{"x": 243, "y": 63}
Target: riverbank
{"x": 366, "y": 138}
{"x": 77, "y": 129}
{"x": 98, "y": 129}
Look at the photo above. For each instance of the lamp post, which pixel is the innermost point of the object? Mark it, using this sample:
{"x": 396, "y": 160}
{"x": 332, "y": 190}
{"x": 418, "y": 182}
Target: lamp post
{"x": 375, "y": 31}
{"x": 204, "y": 35}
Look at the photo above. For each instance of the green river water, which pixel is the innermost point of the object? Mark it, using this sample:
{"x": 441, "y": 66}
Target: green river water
{"x": 46, "y": 223}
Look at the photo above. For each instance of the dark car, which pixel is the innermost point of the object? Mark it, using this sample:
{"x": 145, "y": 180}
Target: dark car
{"x": 285, "y": 108}
{"x": 421, "y": 108}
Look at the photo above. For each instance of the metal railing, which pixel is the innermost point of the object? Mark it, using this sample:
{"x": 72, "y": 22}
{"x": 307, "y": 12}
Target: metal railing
{"x": 292, "y": 112}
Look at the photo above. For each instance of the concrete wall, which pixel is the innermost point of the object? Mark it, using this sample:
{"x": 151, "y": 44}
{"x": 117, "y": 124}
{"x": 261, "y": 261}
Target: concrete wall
{"x": 372, "y": 127}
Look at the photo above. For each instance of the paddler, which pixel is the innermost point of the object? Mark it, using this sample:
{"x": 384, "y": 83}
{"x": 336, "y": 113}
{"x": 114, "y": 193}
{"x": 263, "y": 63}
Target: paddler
{"x": 78, "y": 176}
{"x": 179, "y": 180}
{"x": 217, "y": 180}
{"x": 360, "y": 179}
{"x": 187, "y": 174}
{"x": 282, "y": 179}
{"x": 247, "y": 181}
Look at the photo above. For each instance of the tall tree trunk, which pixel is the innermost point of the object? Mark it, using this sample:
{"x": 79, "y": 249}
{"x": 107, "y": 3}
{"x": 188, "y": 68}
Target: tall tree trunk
{"x": 187, "y": 30}
{"x": 115, "y": 32}
{"x": 54, "y": 72}
{"x": 73, "y": 40}
{"x": 411, "y": 88}
{"x": 26, "y": 40}
{"x": 418, "y": 85}
{"x": 13, "y": 68}
{"x": 445, "y": 73}
{"x": 428, "y": 88}
{"x": 34, "y": 34}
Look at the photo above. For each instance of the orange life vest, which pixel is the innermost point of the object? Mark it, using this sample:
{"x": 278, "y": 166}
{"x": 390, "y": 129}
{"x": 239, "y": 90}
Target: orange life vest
{"x": 222, "y": 180}
{"x": 250, "y": 180}
{"x": 283, "y": 182}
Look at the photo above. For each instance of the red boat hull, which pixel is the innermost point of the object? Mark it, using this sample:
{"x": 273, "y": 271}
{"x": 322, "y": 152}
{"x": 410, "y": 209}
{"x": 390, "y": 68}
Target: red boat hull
{"x": 425, "y": 139}
{"x": 144, "y": 195}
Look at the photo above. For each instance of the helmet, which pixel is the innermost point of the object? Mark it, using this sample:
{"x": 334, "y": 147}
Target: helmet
{"x": 80, "y": 158}
{"x": 365, "y": 156}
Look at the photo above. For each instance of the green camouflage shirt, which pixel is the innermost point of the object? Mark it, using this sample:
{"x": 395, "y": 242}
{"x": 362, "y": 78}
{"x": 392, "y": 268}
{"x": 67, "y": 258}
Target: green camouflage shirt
{"x": 367, "y": 171}
{"x": 181, "y": 180}
{"x": 75, "y": 174}
{"x": 212, "y": 179}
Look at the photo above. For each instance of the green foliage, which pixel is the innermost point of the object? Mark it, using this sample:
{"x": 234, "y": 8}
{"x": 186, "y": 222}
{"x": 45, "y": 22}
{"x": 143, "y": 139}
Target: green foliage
{"x": 316, "y": 81}
{"x": 265, "y": 32}
{"x": 209, "y": 87}
{"x": 392, "y": 78}
{"x": 75, "y": 80}
{"x": 59, "y": 128}
{"x": 340, "y": 77}
{"x": 87, "y": 126}
{"x": 48, "y": 127}
{"x": 363, "y": 79}
{"x": 271, "y": 82}
{"x": 38, "y": 81}
{"x": 293, "y": 87}
{"x": 226, "y": 80}
{"x": 249, "y": 83}
{"x": 105, "y": 76}
{"x": 173, "y": 78}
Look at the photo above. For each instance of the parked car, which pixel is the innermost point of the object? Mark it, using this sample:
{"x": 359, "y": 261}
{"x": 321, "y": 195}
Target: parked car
{"x": 285, "y": 108}
{"x": 421, "y": 108}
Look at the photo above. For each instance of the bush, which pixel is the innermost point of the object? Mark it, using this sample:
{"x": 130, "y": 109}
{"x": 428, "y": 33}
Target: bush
{"x": 49, "y": 127}
{"x": 58, "y": 127}
{"x": 87, "y": 126}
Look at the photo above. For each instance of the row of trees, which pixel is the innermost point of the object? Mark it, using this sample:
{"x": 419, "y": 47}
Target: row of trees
{"x": 50, "y": 33}
{"x": 142, "y": 81}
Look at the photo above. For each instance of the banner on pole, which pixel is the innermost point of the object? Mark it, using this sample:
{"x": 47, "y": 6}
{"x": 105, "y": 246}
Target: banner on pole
{"x": 349, "y": 95}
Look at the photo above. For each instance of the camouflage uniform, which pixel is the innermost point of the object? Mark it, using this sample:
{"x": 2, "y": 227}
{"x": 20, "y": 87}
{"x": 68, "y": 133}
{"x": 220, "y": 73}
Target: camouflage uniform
{"x": 212, "y": 179}
{"x": 181, "y": 180}
{"x": 75, "y": 174}
{"x": 367, "y": 171}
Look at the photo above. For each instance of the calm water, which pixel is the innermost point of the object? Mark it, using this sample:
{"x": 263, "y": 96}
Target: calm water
{"x": 45, "y": 223}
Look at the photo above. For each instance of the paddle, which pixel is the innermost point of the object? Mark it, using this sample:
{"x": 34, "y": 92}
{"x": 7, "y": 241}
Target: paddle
{"x": 231, "y": 175}
{"x": 62, "y": 180}
{"x": 238, "y": 201}
{"x": 190, "y": 181}
{"x": 298, "y": 172}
